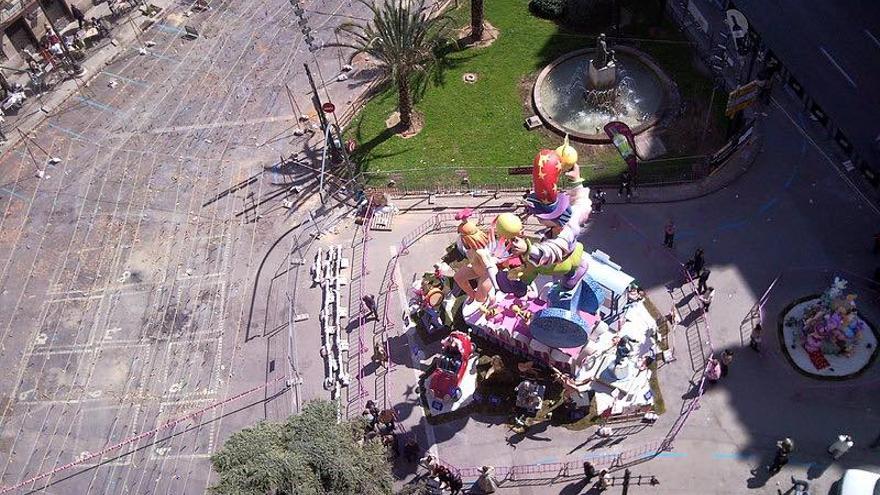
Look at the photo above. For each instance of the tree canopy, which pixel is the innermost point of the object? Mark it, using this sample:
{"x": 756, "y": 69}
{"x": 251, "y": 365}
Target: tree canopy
{"x": 308, "y": 454}
{"x": 403, "y": 38}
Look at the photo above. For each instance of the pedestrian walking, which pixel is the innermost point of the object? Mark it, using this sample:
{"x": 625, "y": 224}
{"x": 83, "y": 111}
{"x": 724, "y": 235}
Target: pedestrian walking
{"x": 755, "y": 337}
{"x": 669, "y": 234}
{"x": 455, "y": 483}
{"x": 604, "y": 481}
{"x": 625, "y": 185}
{"x": 875, "y": 444}
{"x": 726, "y": 359}
{"x": 78, "y": 15}
{"x": 697, "y": 262}
{"x": 840, "y": 446}
{"x": 598, "y": 200}
{"x": 380, "y": 355}
{"x": 370, "y": 302}
{"x": 487, "y": 483}
{"x": 784, "y": 448}
{"x": 411, "y": 449}
{"x": 713, "y": 371}
{"x": 706, "y": 299}
{"x": 701, "y": 281}
{"x": 877, "y": 243}
{"x": 798, "y": 487}
{"x": 589, "y": 471}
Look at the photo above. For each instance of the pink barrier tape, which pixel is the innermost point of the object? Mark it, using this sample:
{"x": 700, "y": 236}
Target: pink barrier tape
{"x": 131, "y": 440}
{"x": 361, "y": 393}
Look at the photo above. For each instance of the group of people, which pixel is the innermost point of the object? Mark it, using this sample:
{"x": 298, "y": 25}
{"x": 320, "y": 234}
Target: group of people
{"x": 440, "y": 477}
{"x": 380, "y": 426}
{"x": 785, "y": 447}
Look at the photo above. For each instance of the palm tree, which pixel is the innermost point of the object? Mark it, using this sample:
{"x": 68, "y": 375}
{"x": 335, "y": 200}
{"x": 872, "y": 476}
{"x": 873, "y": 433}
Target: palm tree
{"x": 405, "y": 39}
{"x": 476, "y": 20}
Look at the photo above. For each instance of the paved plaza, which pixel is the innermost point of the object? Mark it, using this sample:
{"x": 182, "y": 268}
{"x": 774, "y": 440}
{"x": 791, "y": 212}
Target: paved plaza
{"x": 154, "y": 274}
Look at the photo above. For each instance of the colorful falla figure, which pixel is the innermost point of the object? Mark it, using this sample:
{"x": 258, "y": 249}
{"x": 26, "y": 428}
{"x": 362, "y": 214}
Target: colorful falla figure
{"x": 563, "y": 213}
{"x": 559, "y": 254}
{"x": 480, "y": 267}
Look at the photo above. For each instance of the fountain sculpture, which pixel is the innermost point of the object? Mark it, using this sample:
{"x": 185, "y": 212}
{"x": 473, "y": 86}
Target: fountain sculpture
{"x": 582, "y": 91}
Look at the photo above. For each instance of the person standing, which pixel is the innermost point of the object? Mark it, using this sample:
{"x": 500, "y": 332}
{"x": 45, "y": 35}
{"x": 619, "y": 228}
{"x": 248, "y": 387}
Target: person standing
{"x": 698, "y": 262}
{"x": 706, "y": 299}
{"x": 589, "y": 471}
{"x": 840, "y": 446}
{"x": 625, "y": 185}
{"x": 78, "y": 15}
{"x": 455, "y": 483}
{"x": 487, "y": 482}
{"x": 411, "y": 449}
{"x": 599, "y": 201}
{"x": 784, "y": 448}
{"x": 755, "y": 337}
{"x": 669, "y": 234}
{"x": 370, "y": 302}
{"x": 701, "y": 281}
{"x": 726, "y": 360}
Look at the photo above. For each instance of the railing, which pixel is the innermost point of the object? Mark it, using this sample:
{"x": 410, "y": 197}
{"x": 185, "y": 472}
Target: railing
{"x": 610, "y": 461}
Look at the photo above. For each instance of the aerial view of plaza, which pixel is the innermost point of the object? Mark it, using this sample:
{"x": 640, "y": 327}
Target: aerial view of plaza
{"x": 363, "y": 247}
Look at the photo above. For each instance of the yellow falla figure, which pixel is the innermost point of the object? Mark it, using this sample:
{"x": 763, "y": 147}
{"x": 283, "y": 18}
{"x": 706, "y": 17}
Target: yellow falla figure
{"x": 567, "y": 154}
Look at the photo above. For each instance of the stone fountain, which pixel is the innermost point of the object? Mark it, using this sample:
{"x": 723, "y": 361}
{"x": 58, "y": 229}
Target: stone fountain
{"x": 580, "y": 92}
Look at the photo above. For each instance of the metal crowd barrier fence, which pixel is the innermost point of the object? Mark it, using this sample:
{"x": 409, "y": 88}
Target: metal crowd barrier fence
{"x": 610, "y": 461}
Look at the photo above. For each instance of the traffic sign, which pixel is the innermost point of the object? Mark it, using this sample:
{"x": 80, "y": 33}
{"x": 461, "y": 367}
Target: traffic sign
{"x": 328, "y": 107}
{"x": 742, "y": 97}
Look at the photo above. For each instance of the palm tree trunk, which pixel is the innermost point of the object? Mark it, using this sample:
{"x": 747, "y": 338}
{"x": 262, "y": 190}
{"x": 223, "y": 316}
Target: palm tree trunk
{"x": 476, "y": 20}
{"x": 404, "y": 101}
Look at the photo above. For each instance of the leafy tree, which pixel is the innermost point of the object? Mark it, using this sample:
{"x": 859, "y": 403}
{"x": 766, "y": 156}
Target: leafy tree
{"x": 547, "y": 9}
{"x": 404, "y": 38}
{"x": 308, "y": 454}
{"x": 476, "y": 20}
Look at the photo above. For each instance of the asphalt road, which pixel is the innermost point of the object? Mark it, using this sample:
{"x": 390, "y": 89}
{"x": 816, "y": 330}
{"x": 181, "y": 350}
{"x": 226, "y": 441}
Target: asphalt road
{"x": 833, "y": 50}
{"x": 125, "y": 272}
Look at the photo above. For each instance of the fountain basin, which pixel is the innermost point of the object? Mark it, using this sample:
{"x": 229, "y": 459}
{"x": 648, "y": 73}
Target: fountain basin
{"x": 641, "y": 99}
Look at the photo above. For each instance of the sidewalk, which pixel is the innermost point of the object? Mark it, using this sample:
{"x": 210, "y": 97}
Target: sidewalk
{"x": 40, "y": 107}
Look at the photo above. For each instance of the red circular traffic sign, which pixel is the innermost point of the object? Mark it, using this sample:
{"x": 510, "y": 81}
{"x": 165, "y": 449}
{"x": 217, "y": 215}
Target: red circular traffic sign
{"x": 328, "y": 107}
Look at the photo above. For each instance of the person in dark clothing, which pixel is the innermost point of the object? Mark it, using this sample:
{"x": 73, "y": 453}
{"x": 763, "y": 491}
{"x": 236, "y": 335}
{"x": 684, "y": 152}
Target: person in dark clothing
{"x": 370, "y": 302}
{"x": 78, "y": 15}
{"x": 589, "y": 472}
{"x": 455, "y": 483}
{"x": 625, "y": 185}
{"x": 669, "y": 234}
{"x": 698, "y": 261}
{"x": 411, "y": 449}
{"x": 784, "y": 449}
{"x": 599, "y": 200}
{"x": 701, "y": 281}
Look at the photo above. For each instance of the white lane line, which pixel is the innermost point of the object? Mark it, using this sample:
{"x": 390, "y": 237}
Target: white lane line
{"x": 828, "y": 55}
{"x": 869, "y": 34}
{"x": 833, "y": 164}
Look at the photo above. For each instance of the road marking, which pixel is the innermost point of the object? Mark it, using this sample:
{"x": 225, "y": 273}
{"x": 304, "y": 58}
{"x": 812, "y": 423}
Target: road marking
{"x": 873, "y": 38}
{"x": 132, "y": 81}
{"x": 17, "y": 195}
{"x": 68, "y": 132}
{"x": 92, "y": 103}
{"x": 840, "y": 173}
{"x": 828, "y": 55}
{"x": 159, "y": 56}
{"x": 169, "y": 29}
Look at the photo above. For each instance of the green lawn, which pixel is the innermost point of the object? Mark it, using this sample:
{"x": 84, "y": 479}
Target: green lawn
{"x": 479, "y": 127}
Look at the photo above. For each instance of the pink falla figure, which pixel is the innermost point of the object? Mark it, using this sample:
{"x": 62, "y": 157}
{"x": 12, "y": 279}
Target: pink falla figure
{"x": 480, "y": 266}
